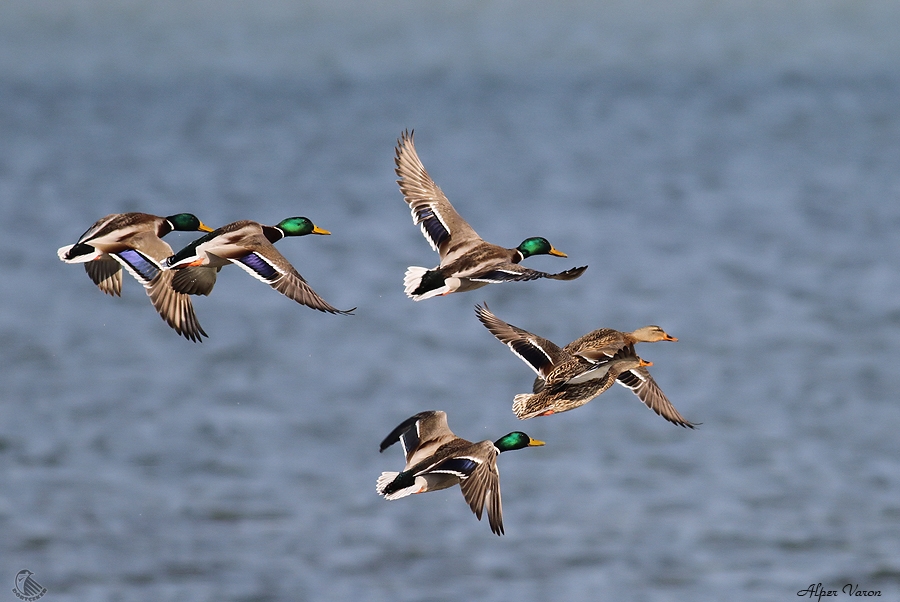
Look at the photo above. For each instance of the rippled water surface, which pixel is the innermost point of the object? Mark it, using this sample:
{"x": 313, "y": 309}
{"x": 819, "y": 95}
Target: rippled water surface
{"x": 729, "y": 173}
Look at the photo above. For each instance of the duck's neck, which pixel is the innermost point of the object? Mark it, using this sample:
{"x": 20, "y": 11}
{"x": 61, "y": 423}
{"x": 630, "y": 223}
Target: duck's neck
{"x": 273, "y": 233}
{"x": 164, "y": 228}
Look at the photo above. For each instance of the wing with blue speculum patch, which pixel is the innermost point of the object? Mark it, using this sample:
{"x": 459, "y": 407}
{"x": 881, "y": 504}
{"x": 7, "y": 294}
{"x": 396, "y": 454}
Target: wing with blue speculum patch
{"x": 430, "y": 209}
{"x": 141, "y": 266}
{"x": 433, "y": 228}
{"x": 173, "y": 307}
{"x": 483, "y": 486}
{"x": 462, "y": 466}
{"x": 507, "y": 272}
{"x": 276, "y": 271}
{"x": 513, "y": 272}
{"x": 259, "y": 267}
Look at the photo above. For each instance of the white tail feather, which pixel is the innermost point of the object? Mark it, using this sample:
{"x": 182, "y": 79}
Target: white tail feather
{"x": 387, "y": 478}
{"x": 413, "y": 279}
{"x": 61, "y": 252}
{"x": 384, "y": 480}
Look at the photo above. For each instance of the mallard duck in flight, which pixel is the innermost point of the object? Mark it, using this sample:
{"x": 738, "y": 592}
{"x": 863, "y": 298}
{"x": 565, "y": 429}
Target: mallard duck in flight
{"x": 467, "y": 261}
{"x": 249, "y": 245}
{"x": 438, "y": 459}
{"x": 134, "y": 241}
{"x": 572, "y": 376}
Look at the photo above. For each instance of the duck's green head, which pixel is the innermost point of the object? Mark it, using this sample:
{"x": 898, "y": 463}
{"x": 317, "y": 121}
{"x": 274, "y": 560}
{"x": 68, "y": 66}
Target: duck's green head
{"x": 538, "y": 246}
{"x": 187, "y": 222}
{"x": 516, "y": 440}
{"x": 299, "y": 226}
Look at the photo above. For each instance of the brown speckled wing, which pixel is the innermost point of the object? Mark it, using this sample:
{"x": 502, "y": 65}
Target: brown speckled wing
{"x": 643, "y": 385}
{"x": 540, "y": 354}
{"x": 444, "y": 229}
{"x": 106, "y": 273}
{"x": 174, "y": 307}
{"x": 483, "y": 486}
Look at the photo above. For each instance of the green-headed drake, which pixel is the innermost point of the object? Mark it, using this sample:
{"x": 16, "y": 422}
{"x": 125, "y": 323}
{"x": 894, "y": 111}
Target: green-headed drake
{"x": 572, "y": 376}
{"x": 467, "y": 261}
{"x": 134, "y": 241}
{"x": 249, "y": 245}
{"x": 438, "y": 459}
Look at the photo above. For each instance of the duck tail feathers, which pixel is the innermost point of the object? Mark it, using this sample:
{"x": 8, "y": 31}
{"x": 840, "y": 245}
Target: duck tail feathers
{"x": 388, "y": 478}
{"x": 78, "y": 253}
{"x": 414, "y": 287}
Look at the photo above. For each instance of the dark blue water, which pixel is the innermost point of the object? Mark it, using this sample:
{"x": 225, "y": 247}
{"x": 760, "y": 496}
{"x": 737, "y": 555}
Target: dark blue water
{"x": 729, "y": 173}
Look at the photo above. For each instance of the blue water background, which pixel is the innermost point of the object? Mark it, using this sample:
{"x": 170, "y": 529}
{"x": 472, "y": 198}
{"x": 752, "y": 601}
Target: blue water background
{"x": 730, "y": 171}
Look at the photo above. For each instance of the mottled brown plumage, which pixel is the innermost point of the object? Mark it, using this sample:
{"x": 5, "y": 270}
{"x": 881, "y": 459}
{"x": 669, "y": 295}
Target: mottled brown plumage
{"x": 579, "y": 390}
{"x": 571, "y": 376}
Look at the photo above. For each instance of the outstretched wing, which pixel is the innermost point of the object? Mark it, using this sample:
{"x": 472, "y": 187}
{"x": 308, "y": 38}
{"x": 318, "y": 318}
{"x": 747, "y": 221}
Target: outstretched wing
{"x": 643, "y": 385}
{"x": 513, "y": 272}
{"x": 273, "y": 269}
{"x": 444, "y": 229}
{"x": 197, "y": 280}
{"x": 482, "y": 487}
{"x": 174, "y": 307}
{"x": 419, "y": 435}
{"x": 540, "y": 354}
{"x": 142, "y": 266}
{"x": 106, "y": 273}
